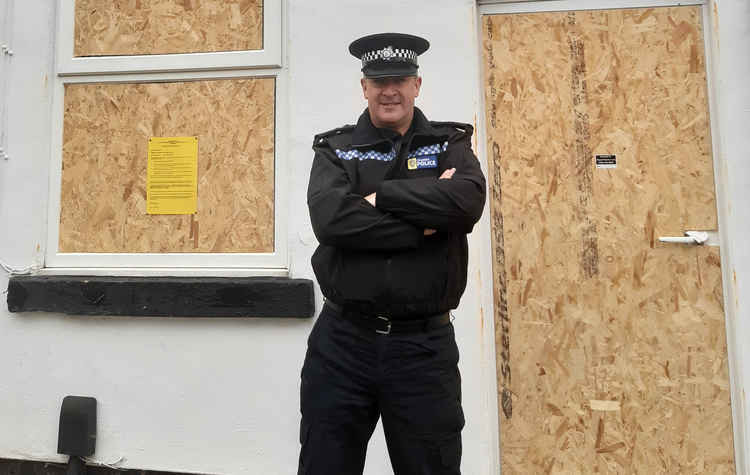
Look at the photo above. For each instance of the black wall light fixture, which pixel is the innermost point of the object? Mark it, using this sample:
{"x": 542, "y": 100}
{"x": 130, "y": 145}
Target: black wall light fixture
{"x": 77, "y": 434}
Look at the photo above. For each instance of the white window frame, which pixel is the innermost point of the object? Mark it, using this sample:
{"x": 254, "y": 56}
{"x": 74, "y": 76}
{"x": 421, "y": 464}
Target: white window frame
{"x": 264, "y": 63}
{"x": 267, "y": 57}
{"x": 495, "y": 7}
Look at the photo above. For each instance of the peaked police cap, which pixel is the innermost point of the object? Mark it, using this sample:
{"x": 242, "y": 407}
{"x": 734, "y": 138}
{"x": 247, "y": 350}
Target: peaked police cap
{"x": 389, "y": 54}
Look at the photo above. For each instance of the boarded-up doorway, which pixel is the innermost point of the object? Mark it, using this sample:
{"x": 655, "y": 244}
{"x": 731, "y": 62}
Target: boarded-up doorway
{"x": 611, "y": 346}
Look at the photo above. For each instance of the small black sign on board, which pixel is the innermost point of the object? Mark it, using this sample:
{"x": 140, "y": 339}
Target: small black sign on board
{"x": 606, "y": 161}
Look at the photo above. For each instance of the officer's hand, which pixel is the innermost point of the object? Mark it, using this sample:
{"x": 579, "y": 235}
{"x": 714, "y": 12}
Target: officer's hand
{"x": 371, "y": 198}
{"x": 447, "y": 174}
{"x": 429, "y": 232}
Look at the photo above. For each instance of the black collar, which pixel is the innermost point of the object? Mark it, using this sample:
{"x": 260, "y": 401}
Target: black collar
{"x": 366, "y": 134}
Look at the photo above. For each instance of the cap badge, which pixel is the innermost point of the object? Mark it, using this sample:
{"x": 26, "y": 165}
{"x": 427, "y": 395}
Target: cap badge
{"x": 387, "y": 53}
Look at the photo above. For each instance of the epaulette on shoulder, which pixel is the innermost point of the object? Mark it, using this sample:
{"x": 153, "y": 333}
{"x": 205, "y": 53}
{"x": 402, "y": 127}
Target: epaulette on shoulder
{"x": 323, "y": 137}
{"x": 455, "y": 130}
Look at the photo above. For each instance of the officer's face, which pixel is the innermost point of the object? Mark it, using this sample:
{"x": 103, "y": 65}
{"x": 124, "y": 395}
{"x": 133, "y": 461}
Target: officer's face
{"x": 391, "y": 101}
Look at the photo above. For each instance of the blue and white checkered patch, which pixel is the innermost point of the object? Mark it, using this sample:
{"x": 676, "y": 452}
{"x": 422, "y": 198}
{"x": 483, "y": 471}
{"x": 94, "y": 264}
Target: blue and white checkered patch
{"x": 368, "y": 155}
{"x": 433, "y": 149}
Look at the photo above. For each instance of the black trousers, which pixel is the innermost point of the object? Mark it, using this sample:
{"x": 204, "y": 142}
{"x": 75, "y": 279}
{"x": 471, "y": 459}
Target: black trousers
{"x": 352, "y": 376}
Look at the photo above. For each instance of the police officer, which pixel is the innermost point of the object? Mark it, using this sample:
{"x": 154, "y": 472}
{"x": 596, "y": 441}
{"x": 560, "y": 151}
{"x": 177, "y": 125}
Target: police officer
{"x": 391, "y": 201}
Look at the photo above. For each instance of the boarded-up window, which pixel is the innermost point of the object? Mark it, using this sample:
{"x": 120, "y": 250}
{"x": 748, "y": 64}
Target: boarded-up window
{"x": 139, "y": 27}
{"x": 106, "y": 128}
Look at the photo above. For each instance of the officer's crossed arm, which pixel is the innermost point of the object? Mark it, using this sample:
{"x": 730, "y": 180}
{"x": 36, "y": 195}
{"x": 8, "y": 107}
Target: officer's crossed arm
{"x": 344, "y": 219}
{"x": 446, "y": 175}
{"x": 451, "y": 204}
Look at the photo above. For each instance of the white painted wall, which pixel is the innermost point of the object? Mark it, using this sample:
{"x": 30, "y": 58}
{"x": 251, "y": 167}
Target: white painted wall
{"x": 325, "y": 93}
{"x": 222, "y": 396}
{"x": 729, "y": 27}
{"x": 202, "y": 395}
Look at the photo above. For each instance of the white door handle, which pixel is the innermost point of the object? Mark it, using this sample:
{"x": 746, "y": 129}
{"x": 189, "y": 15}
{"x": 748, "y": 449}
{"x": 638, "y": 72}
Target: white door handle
{"x": 691, "y": 237}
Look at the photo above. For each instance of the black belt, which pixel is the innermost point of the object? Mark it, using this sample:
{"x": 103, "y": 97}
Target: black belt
{"x": 383, "y": 324}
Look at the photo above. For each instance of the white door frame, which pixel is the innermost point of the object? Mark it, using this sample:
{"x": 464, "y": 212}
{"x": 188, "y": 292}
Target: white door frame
{"x": 492, "y": 7}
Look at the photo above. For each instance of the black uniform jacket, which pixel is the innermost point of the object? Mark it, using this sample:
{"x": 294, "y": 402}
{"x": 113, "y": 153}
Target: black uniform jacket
{"x": 376, "y": 260}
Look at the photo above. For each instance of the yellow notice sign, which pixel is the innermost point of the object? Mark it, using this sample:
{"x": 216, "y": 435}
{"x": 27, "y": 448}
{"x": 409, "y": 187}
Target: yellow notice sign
{"x": 172, "y": 179}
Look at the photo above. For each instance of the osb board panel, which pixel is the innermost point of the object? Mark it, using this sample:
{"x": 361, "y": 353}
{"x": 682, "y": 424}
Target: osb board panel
{"x": 135, "y": 27}
{"x": 611, "y": 346}
{"x": 105, "y": 151}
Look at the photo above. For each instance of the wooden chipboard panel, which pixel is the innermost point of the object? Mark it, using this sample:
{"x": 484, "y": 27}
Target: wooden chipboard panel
{"x": 611, "y": 347}
{"x": 106, "y": 130}
{"x": 136, "y": 27}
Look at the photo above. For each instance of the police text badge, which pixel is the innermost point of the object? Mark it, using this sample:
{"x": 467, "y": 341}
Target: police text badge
{"x": 425, "y": 161}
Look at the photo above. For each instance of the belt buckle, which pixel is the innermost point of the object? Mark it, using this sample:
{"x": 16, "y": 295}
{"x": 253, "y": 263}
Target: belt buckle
{"x": 387, "y": 330}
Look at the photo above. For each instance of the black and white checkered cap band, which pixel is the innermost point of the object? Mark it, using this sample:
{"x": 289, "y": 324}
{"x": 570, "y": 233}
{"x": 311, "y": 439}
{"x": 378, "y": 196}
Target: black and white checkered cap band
{"x": 390, "y": 53}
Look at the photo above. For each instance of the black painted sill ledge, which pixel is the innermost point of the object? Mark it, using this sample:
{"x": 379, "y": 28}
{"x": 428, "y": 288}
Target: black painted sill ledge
{"x": 270, "y": 297}
{"x": 32, "y": 467}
